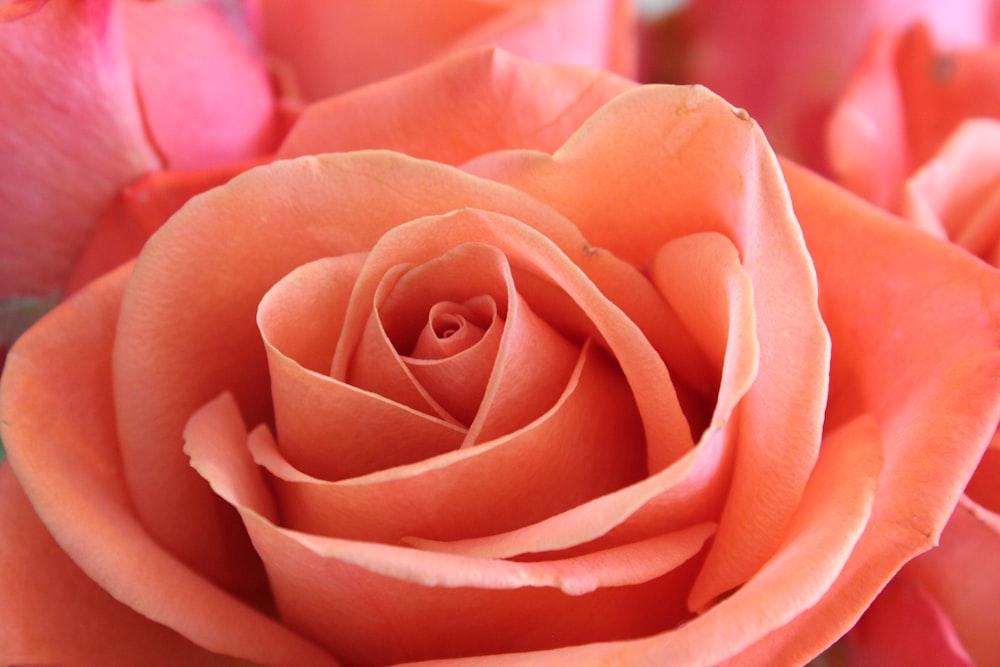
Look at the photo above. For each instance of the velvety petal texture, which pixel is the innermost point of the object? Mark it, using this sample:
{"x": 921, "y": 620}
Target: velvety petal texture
{"x": 620, "y": 388}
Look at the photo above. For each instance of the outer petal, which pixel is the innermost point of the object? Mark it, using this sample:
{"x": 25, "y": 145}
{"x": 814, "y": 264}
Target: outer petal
{"x": 932, "y": 437}
{"x": 457, "y": 108}
{"x": 728, "y": 183}
{"x": 54, "y": 614}
{"x": 334, "y": 46}
{"x": 59, "y": 432}
{"x": 834, "y": 511}
{"x": 71, "y": 135}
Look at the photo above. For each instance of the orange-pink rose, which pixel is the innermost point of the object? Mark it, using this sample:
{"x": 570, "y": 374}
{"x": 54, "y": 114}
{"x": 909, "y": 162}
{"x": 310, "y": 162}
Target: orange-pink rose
{"x": 602, "y": 392}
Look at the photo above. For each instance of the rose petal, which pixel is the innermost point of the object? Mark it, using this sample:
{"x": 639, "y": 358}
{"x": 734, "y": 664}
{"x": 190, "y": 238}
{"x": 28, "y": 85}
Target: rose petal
{"x": 694, "y": 486}
{"x": 139, "y": 210}
{"x": 404, "y": 297}
{"x": 81, "y": 141}
{"x": 59, "y": 433}
{"x": 731, "y": 185}
{"x": 865, "y": 136}
{"x": 588, "y": 444}
{"x": 521, "y": 381}
{"x": 932, "y": 436}
{"x": 667, "y": 431}
{"x": 482, "y": 99}
{"x": 209, "y": 102}
{"x": 941, "y": 89}
{"x": 835, "y": 509}
{"x": 455, "y": 605}
{"x": 963, "y": 575}
{"x": 956, "y": 195}
{"x": 327, "y": 428}
{"x": 904, "y": 626}
{"x": 54, "y": 614}
{"x": 983, "y": 488}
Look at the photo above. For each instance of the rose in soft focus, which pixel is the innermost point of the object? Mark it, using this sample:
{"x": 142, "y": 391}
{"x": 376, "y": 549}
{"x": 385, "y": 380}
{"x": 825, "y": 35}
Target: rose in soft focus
{"x": 918, "y": 132}
{"x": 571, "y": 403}
{"x": 787, "y": 62}
{"x": 118, "y": 111}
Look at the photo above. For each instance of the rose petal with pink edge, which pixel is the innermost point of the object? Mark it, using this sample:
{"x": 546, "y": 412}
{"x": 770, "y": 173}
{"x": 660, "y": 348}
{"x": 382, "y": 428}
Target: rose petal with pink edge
{"x": 592, "y": 33}
{"x": 62, "y": 446}
{"x": 334, "y": 48}
{"x": 588, "y": 444}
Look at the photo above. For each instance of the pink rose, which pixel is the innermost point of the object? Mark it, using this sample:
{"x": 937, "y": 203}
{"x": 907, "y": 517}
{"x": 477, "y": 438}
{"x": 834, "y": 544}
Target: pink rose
{"x": 787, "y": 61}
{"x": 603, "y": 393}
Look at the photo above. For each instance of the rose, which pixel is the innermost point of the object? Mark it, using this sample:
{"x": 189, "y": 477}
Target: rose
{"x": 788, "y": 62}
{"x": 651, "y": 476}
{"x": 165, "y": 122}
